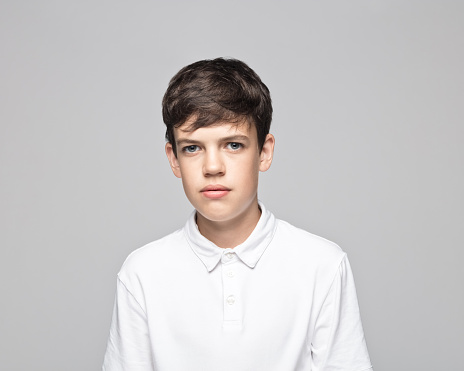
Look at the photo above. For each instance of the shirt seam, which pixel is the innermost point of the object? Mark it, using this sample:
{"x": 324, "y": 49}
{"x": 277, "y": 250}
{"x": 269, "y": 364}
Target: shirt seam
{"x": 337, "y": 271}
{"x": 133, "y": 296}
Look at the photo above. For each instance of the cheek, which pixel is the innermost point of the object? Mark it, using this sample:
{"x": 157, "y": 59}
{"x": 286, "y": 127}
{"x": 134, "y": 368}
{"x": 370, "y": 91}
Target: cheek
{"x": 249, "y": 173}
{"x": 187, "y": 181}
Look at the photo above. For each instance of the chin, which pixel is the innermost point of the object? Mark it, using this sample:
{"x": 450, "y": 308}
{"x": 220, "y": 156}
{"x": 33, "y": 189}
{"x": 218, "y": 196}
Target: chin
{"x": 218, "y": 216}
{"x": 222, "y": 213}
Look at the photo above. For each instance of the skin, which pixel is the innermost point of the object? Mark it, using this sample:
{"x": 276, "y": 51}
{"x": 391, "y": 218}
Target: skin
{"x": 225, "y": 155}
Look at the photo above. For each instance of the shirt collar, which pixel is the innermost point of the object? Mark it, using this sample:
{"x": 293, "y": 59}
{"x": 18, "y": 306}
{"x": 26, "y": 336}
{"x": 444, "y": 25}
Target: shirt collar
{"x": 250, "y": 251}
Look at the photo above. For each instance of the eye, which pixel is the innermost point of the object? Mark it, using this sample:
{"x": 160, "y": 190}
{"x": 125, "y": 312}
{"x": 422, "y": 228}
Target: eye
{"x": 190, "y": 149}
{"x": 234, "y": 146}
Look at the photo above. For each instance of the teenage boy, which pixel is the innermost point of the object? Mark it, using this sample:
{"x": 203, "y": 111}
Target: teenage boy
{"x": 235, "y": 288}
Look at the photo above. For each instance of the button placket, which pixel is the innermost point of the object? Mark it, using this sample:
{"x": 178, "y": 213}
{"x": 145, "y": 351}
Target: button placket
{"x": 231, "y": 289}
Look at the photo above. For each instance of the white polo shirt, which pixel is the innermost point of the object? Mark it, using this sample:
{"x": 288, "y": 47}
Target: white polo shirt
{"x": 284, "y": 300}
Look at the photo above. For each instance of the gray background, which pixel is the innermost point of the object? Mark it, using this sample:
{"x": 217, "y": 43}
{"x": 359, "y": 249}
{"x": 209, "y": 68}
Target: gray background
{"x": 368, "y": 99}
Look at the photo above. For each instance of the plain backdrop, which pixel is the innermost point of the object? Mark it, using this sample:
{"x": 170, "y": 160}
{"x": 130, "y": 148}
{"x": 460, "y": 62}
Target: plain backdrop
{"x": 368, "y": 98}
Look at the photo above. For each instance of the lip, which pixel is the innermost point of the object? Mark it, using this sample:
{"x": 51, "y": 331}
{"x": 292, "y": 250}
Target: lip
{"x": 215, "y": 191}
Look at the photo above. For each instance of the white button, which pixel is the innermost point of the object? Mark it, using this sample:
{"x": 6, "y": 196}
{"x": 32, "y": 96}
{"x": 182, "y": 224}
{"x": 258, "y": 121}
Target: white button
{"x": 229, "y": 255}
{"x": 230, "y": 273}
{"x": 231, "y": 300}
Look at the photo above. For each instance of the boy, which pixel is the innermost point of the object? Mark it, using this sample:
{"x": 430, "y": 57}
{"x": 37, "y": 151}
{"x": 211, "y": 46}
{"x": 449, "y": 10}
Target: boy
{"x": 235, "y": 288}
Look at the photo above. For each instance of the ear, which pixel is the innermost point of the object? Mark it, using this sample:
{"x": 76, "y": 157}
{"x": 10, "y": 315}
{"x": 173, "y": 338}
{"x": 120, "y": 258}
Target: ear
{"x": 173, "y": 161}
{"x": 267, "y": 153}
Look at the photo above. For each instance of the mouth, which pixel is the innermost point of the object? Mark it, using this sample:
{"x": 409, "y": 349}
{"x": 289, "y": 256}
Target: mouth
{"x": 215, "y": 191}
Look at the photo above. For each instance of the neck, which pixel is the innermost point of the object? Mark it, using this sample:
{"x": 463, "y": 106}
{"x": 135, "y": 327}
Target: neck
{"x": 230, "y": 233}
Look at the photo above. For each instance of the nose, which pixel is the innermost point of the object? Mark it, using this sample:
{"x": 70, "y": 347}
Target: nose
{"x": 213, "y": 164}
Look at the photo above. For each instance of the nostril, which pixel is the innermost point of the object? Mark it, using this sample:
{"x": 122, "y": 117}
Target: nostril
{"x": 213, "y": 166}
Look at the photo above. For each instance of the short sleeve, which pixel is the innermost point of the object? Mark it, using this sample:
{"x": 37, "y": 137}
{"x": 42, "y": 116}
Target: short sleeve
{"x": 128, "y": 346}
{"x": 338, "y": 342}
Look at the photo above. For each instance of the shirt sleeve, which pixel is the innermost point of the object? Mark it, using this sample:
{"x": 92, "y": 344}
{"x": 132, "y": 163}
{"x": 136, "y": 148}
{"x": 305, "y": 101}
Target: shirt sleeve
{"x": 128, "y": 347}
{"x": 338, "y": 342}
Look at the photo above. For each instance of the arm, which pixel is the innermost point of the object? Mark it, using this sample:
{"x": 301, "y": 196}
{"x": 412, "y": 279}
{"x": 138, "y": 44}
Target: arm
{"x": 338, "y": 342}
{"x": 128, "y": 346}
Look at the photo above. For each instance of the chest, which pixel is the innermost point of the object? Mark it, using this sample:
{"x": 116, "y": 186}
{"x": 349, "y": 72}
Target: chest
{"x": 272, "y": 301}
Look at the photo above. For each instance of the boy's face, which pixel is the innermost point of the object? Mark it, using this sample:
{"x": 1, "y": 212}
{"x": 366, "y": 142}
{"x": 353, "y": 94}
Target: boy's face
{"x": 219, "y": 167}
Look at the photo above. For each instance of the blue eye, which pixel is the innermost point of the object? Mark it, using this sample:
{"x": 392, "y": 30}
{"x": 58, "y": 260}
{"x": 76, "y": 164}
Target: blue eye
{"x": 234, "y": 146}
{"x": 190, "y": 149}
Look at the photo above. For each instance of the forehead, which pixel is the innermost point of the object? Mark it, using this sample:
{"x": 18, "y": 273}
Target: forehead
{"x": 215, "y": 131}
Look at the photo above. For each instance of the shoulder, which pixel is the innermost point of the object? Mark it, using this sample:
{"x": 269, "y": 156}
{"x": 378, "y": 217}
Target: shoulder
{"x": 305, "y": 250}
{"x": 152, "y": 256}
{"x": 305, "y": 242}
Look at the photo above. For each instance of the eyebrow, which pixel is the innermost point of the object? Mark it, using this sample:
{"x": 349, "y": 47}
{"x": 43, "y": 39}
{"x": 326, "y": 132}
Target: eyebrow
{"x": 232, "y": 138}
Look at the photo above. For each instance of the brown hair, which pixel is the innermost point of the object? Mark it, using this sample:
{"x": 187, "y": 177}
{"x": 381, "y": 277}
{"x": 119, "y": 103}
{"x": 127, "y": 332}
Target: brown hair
{"x": 217, "y": 90}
